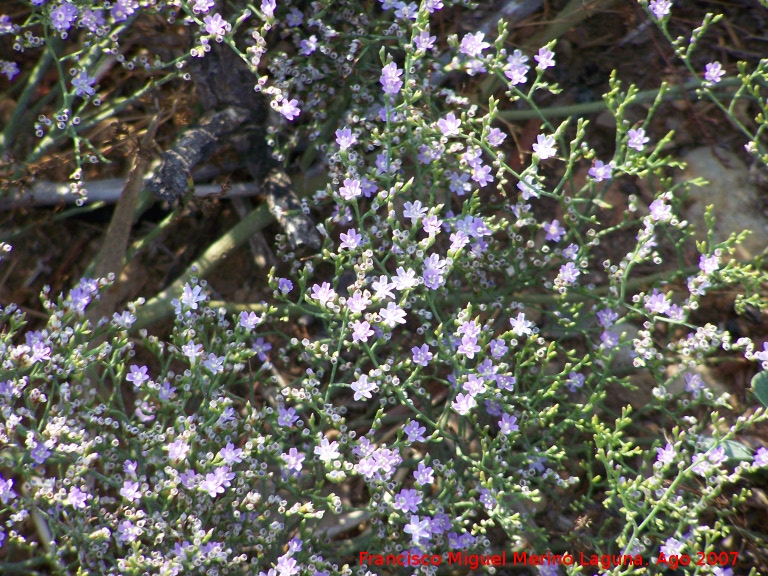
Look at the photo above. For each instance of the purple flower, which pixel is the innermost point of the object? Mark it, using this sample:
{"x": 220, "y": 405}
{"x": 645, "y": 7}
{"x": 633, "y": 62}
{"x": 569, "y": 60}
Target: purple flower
{"x": 463, "y": 403}
{"x": 554, "y": 230}
{"x": 130, "y": 491}
{"x": 192, "y": 350}
{"x": 545, "y": 58}
{"x": 468, "y": 346}
{"x": 672, "y": 547}
{"x": 405, "y": 279}
{"x": 230, "y": 454}
{"x": 473, "y": 156}
{"x": 569, "y": 273}
{"x": 63, "y": 16}
{"x": 418, "y": 529}
{"x": 123, "y": 9}
{"x": 80, "y": 298}
{"x": 327, "y": 451}
{"x": 521, "y": 326}
{"x": 189, "y": 479}
{"x": 351, "y": 240}
{"x": 472, "y": 45}
{"x": 431, "y": 225}
{"x": 40, "y": 453}
{"x": 214, "y": 363}
{"x": 294, "y": 18}
{"x": 656, "y": 303}
{"x": 637, "y": 139}
{"x": 127, "y": 532}
{"x": 289, "y": 108}
{"x": 474, "y": 385}
{"x": 268, "y": 8}
{"x": 39, "y": 353}
{"x": 517, "y": 68}
{"x": 506, "y": 382}
{"x": 76, "y": 498}
{"x": 144, "y": 412}
{"x": 422, "y": 355}
{"x": 407, "y": 500}
{"x": 83, "y": 84}
{"x": 6, "y": 493}
{"x": 415, "y": 211}
{"x": 352, "y": 189}
{"x": 293, "y": 460}
{"x": 496, "y": 137}
{"x": 284, "y": 285}
{"x": 217, "y": 26}
{"x": 498, "y": 348}
{"x": 458, "y": 241}
{"x": 508, "y": 424}
{"x": 361, "y": 331}
{"x": 130, "y": 467}
{"x": 660, "y": 8}
{"x": 92, "y": 19}
{"x": 213, "y": 483}
{"x": 571, "y": 251}
{"x": 528, "y": 186}
{"x": 6, "y": 26}
{"x": 482, "y": 175}
{"x": 459, "y": 183}
{"x": 665, "y": 455}
{"x": 390, "y": 79}
{"x": 287, "y": 565}
{"x": 392, "y": 315}
{"x": 178, "y": 450}
{"x": 166, "y": 391}
{"x": 424, "y": 41}
{"x": 713, "y": 72}
{"x": 433, "y": 277}
{"x": 202, "y": 6}
{"x": 406, "y": 11}
{"x": 345, "y": 139}
{"x": 600, "y": 171}
{"x": 660, "y": 211}
{"x": 308, "y": 46}
{"x": 123, "y": 320}
{"x": 359, "y": 301}
{"x": 415, "y": 431}
{"x": 383, "y": 288}
{"x": 364, "y": 388}
{"x": 449, "y": 125}
{"x": 9, "y": 69}
{"x": 323, "y": 293}
{"x": 709, "y": 264}
{"x": 286, "y": 417}
{"x": 261, "y": 347}
{"x": 428, "y": 154}
{"x": 545, "y": 146}
{"x": 761, "y": 458}
{"x": 575, "y": 381}
{"x": 424, "y": 475}
{"x": 191, "y": 296}
{"x": 609, "y": 339}
{"x": 138, "y": 376}
{"x": 249, "y": 320}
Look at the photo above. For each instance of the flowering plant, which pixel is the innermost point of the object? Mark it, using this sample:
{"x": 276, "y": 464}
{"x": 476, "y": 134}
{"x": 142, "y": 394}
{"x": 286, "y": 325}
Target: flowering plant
{"x": 462, "y": 378}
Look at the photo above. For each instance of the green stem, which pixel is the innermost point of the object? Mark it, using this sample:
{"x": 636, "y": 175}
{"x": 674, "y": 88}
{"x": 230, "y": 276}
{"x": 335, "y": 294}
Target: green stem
{"x": 159, "y": 307}
{"x": 597, "y": 106}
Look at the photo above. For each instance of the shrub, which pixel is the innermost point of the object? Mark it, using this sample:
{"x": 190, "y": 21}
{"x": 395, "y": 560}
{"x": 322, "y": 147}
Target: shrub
{"x": 473, "y": 332}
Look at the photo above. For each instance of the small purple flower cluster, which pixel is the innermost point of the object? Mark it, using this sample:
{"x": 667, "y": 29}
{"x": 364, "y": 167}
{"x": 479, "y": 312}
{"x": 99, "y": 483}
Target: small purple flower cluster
{"x": 443, "y": 368}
